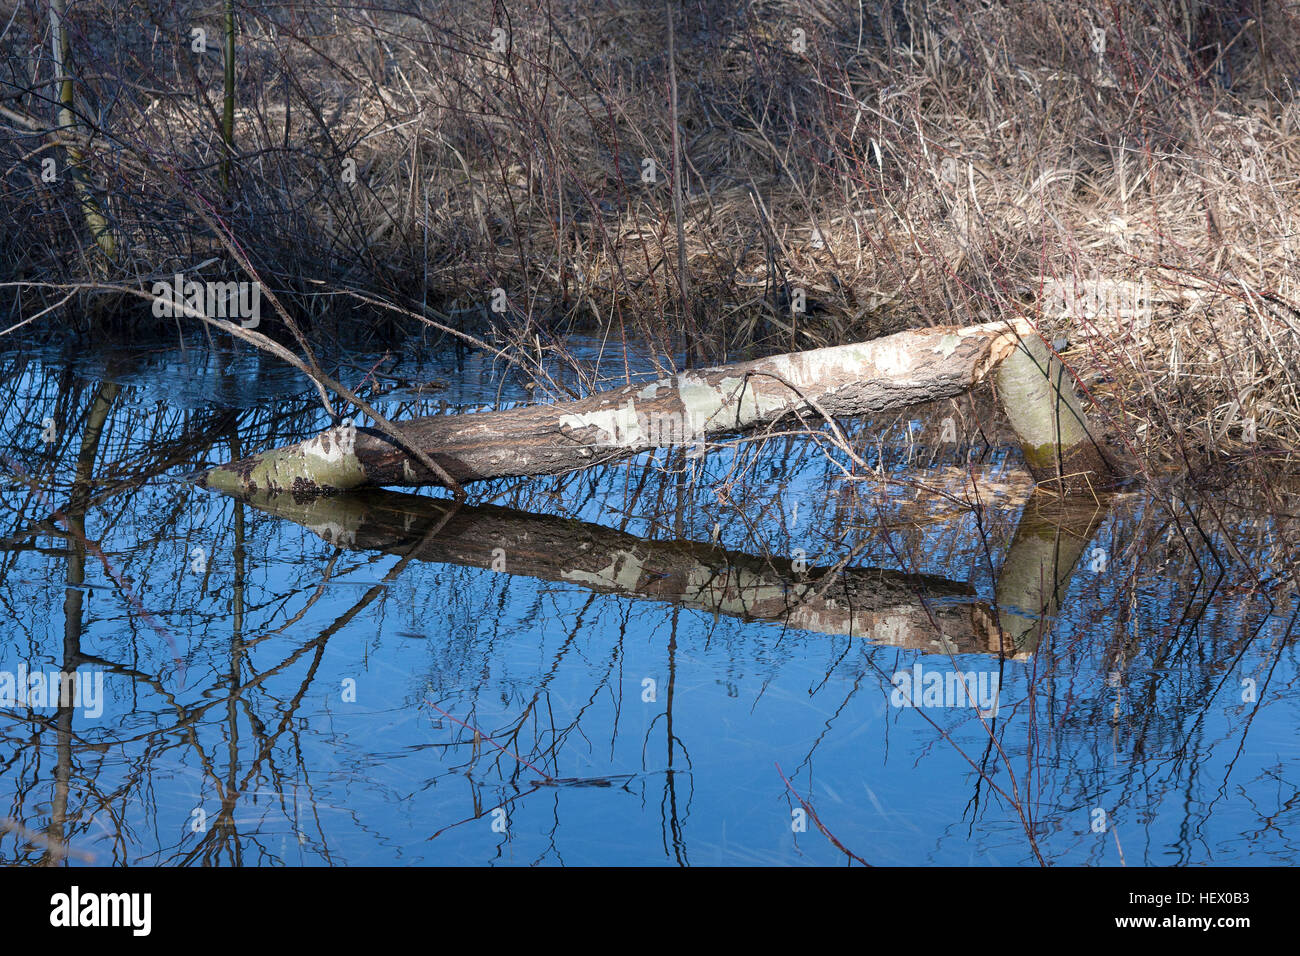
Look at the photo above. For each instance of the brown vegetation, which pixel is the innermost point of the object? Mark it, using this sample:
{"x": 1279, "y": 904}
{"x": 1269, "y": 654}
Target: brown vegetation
{"x": 1119, "y": 173}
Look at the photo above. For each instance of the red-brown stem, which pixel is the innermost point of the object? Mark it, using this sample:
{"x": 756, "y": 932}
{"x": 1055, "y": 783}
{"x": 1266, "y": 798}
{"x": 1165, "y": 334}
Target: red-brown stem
{"x": 815, "y": 819}
{"x": 509, "y": 753}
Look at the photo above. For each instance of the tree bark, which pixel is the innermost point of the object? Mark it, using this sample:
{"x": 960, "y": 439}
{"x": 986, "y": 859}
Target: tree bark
{"x": 1038, "y": 396}
{"x": 850, "y": 380}
{"x": 98, "y": 224}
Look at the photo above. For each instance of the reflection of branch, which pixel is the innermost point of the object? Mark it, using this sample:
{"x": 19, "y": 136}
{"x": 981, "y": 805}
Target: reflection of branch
{"x": 480, "y": 814}
{"x": 53, "y": 848}
{"x": 480, "y": 736}
{"x": 815, "y": 819}
{"x": 94, "y": 548}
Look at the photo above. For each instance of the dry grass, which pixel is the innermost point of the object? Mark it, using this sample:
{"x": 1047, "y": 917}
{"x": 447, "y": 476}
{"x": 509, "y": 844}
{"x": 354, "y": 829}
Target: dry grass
{"x": 909, "y": 163}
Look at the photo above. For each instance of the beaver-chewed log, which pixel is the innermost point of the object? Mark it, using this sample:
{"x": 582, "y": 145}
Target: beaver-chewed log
{"x": 1038, "y": 396}
{"x": 691, "y": 407}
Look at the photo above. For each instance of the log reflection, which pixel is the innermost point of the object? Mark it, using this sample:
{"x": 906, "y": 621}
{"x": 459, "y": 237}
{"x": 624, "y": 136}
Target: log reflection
{"x": 1035, "y": 576}
{"x": 884, "y": 606}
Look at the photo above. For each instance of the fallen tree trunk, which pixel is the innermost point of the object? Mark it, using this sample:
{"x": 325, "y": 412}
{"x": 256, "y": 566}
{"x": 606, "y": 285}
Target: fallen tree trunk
{"x": 849, "y": 380}
{"x": 1039, "y": 399}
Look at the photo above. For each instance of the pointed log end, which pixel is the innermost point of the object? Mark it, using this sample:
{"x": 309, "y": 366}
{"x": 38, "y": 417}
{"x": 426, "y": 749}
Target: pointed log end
{"x": 324, "y": 465}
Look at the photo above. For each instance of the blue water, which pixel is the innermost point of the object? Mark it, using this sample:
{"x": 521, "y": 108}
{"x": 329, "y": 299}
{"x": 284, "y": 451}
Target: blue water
{"x": 271, "y": 698}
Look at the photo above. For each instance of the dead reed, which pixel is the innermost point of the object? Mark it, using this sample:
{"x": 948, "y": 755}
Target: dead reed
{"x": 1121, "y": 173}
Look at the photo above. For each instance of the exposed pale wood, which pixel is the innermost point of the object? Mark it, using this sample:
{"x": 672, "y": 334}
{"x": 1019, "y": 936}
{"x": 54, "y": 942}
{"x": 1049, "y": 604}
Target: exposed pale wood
{"x": 850, "y": 380}
{"x": 1039, "y": 399}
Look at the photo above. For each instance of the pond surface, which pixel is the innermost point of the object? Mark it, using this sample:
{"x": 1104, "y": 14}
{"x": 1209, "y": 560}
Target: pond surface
{"x": 742, "y": 657}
